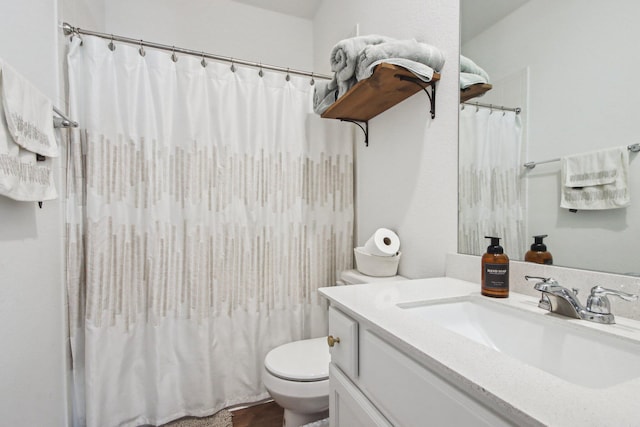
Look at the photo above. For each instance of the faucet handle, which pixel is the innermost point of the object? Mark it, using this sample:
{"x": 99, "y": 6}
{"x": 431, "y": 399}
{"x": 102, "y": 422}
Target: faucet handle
{"x": 599, "y": 303}
{"x": 549, "y": 280}
{"x": 544, "y": 302}
{"x": 545, "y": 284}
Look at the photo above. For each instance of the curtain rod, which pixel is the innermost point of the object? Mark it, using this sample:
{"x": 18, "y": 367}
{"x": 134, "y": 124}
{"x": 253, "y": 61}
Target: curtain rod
{"x": 516, "y": 110}
{"x": 530, "y": 165}
{"x": 69, "y": 30}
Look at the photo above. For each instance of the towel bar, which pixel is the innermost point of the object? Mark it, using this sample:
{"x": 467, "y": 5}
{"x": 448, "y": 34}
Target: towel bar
{"x": 634, "y": 148}
{"x": 63, "y": 121}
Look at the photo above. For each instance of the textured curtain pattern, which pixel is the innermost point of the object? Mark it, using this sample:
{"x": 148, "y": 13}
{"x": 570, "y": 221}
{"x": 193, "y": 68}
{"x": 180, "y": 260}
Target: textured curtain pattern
{"x": 205, "y": 208}
{"x": 490, "y": 182}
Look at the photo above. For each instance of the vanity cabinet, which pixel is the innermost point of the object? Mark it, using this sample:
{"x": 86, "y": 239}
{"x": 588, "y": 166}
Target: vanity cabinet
{"x": 374, "y": 383}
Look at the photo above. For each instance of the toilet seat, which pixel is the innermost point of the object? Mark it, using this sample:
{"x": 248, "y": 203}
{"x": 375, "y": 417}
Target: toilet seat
{"x": 300, "y": 361}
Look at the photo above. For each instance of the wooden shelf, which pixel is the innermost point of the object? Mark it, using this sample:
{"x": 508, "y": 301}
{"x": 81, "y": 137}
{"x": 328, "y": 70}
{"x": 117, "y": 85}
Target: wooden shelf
{"x": 474, "y": 91}
{"x": 370, "y": 97}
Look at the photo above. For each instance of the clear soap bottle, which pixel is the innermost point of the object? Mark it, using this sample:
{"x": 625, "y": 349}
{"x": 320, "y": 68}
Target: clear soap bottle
{"x": 495, "y": 270}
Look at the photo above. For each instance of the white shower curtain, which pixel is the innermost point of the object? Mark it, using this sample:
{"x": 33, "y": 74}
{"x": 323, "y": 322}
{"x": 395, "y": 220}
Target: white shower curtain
{"x": 491, "y": 199}
{"x": 204, "y": 209}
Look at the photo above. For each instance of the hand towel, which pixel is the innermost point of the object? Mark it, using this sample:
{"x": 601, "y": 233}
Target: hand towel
{"x": 468, "y": 66}
{"x": 28, "y": 113}
{"x": 324, "y": 95}
{"x": 596, "y": 180}
{"x": 22, "y": 177}
{"x": 421, "y": 71}
{"x": 344, "y": 56}
{"x": 407, "y": 49}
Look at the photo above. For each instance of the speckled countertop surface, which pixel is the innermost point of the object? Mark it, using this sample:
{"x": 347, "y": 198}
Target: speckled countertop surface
{"x": 520, "y": 392}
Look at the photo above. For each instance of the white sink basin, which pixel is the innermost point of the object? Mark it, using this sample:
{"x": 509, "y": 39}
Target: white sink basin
{"x": 580, "y": 355}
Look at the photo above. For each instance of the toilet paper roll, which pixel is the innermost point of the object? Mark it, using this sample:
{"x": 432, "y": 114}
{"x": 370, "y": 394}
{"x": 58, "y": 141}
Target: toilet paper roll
{"x": 384, "y": 242}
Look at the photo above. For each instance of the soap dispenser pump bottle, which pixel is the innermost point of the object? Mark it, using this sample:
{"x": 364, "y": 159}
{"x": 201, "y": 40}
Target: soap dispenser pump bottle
{"x": 538, "y": 252}
{"x": 495, "y": 270}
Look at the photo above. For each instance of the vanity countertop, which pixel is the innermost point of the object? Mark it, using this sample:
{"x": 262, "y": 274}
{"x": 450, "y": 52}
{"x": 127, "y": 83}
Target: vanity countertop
{"x": 518, "y": 391}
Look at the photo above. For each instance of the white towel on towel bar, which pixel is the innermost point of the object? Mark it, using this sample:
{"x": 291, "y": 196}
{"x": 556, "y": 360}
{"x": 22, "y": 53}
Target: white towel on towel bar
{"x": 22, "y": 177}
{"x": 596, "y": 180}
{"x": 28, "y": 112}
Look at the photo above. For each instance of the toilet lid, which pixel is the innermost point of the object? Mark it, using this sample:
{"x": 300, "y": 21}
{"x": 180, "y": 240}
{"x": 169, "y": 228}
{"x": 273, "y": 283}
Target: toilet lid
{"x": 306, "y": 360}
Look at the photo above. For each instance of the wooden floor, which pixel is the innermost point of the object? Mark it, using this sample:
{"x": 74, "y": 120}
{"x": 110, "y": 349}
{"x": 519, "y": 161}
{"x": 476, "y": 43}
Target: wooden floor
{"x": 263, "y": 415}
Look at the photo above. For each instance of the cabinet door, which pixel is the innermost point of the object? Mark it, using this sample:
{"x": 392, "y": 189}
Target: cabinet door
{"x": 411, "y": 395}
{"x": 348, "y": 407}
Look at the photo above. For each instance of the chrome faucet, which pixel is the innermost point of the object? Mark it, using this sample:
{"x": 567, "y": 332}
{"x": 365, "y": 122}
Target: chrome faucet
{"x": 558, "y": 299}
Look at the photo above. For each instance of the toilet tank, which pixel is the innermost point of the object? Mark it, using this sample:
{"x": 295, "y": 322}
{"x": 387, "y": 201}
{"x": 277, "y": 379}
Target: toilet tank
{"x": 354, "y": 277}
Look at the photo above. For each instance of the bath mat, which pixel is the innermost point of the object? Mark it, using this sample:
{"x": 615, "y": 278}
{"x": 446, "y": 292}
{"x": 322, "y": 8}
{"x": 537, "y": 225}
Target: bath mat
{"x": 220, "y": 419}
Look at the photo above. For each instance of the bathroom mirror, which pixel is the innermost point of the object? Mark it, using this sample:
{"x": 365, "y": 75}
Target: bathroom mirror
{"x": 572, "y": 68}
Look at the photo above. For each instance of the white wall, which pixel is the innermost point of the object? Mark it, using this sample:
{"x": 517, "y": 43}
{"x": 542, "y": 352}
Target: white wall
{"x": 582, "y": 68}
{"x": 222, "y": 27}
{"x": 407, "y": 177}
{"x": 32, "y": 315}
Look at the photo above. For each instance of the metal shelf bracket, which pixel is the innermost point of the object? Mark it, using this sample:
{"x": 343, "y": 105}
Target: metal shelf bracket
{"x": 432, "y": 95}
{"x": 365, "y": 129}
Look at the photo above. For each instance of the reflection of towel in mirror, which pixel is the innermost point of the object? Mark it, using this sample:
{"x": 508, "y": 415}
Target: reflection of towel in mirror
{"x": 470, "y": 79}
{"x": 596, "y": 180}
{"x": 344, "y": 56}
{"x": 324, "y": 95}
{"x": 468, "y": 66}
{"x": 407, "y": 49}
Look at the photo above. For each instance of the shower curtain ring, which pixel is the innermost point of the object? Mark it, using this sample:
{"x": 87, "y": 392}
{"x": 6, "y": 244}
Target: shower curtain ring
{"x": 312, "y": 82}
{"x": 75, "y": 32}
{"x": 111, "y": 45}
{"x": 141, "y": 50}
{"x": 233, "y": 66}
{"x": 203, "y": 62}
{"x": 490, "y": 109}
{"x": 288, "y": 76}
{"x": 174, "y": 57}
{"x": 260, "y": 73}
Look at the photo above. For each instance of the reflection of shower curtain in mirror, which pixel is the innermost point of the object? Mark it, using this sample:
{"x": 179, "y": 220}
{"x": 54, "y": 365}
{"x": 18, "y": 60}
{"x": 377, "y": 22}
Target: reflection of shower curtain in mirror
{"x": 491, "y": 201}
{"x": 204, "y": 209}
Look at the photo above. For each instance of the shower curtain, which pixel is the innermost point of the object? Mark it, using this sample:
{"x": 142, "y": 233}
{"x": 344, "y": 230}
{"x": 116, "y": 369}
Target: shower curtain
{"x": 491, "y": 199}
{"x": 205, "y": 206}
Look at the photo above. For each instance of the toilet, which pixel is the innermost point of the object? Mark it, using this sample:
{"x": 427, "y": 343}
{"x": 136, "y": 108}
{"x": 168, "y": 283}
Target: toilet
{"x": 296, "y": 374}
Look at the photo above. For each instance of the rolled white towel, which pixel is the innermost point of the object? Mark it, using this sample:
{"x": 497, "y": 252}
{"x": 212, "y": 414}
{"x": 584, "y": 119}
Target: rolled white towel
{"x": 324, "y": 95}
{"x": 344, "y": 57}
{"x": 421, "y": 71}
{"x": 408, "y": 49}
{"x": 468, "y": 66}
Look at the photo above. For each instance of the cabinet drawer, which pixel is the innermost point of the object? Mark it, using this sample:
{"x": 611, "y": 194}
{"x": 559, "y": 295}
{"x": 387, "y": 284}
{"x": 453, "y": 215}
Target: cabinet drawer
{"x": 344, "y": 353}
